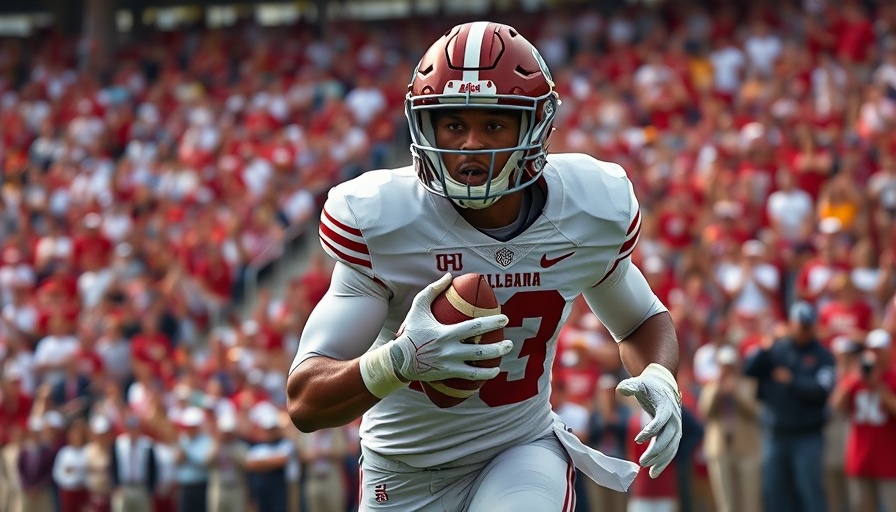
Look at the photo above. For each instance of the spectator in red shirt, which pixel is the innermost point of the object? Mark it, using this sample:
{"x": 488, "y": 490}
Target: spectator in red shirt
{"x": 20, "y": 316}
{"x": 813, "y": 278}
{"x": 153, "y": 348}
{"x": 848, "y": 313}
{"x": 869, "y": 396}
{"x": 91, "y": 241}
{"x": 575, "y": 367}
{"x": 251, "y": 393}
{"x": 677, "y": 221}
{"x": 15, "y": 404}
{"x": 855, "y": 36}
{"x": 649, "y": 494}
{"x": 214, "y": 273}
{"x": 811, "y": 163}
{"x": 692, "y": 307}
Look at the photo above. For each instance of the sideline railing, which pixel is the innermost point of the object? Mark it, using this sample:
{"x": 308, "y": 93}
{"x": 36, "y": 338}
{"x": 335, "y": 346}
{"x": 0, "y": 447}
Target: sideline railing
{"x": 271, "y": 256}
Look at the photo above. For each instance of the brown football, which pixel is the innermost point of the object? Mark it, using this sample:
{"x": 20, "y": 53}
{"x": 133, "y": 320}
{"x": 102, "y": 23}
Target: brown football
{"x": 469, "y": 296}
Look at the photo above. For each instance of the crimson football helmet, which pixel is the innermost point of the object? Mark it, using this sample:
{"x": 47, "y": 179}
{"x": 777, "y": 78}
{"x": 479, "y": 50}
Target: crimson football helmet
{"x": 481, "y": 65}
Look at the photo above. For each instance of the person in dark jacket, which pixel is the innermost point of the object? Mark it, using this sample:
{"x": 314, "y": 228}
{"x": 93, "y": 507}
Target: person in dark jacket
{"x": 132, "y": 462}
{"x": 35, "y": 466}
{"x": 795, "y": 375}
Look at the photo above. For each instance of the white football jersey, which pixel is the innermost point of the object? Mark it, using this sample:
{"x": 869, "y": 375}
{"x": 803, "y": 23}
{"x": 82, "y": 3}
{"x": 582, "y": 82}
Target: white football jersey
{"x": 385, "y": 225}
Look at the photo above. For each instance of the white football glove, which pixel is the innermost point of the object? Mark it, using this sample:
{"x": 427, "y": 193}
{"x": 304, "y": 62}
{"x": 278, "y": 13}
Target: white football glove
{"x": 657, "y": 392}
{"x": 428, "y": 350}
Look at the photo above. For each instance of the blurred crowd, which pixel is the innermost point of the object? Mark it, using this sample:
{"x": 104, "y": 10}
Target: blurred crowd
{"x": 135, "y": 199}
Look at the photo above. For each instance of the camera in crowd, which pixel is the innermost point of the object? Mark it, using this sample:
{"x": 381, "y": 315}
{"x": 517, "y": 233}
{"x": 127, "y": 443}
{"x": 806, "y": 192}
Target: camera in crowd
{"x": 877, "y": 339}
{"x": 869, "y": 360}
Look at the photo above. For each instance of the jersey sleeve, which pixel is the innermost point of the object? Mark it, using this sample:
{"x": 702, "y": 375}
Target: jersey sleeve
{"x": 632, "y": 232}
{"x": 341, "y": 236}
{"x": 623, "y": 302}
{"x": 346, "y": 321}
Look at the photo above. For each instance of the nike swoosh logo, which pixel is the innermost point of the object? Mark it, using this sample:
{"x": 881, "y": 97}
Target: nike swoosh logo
{"x": 550, "y": 262}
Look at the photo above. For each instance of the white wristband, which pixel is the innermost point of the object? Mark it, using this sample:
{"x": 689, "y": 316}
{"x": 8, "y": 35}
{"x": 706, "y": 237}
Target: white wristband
{"x": 378, "y": 372}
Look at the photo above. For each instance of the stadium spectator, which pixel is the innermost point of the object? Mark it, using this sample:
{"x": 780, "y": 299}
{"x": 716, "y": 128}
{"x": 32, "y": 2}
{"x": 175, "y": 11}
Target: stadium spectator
{"x": 72, "y": 395}
{"x": 750, "y": 283}
{"x": 322, "y": 454}
{"x": 70, "y": 468}
{"x": 584, "y": 352}
{"x": 795, "y": 375}
{"x": 152, "y": 346}
{"x": 814, "y": 275}
{"x": 133, "y": 466}
{"x": 15, "y": 403}
{"x": 267, "y": 463}
{"x": 608, "y": 432}
{"x": 98, "y": 455}
{"x": 729, "y": 66}
{"x": 36, "y": 456}
{"x": 881, "y": 191}
{"x": 115, "y": 351}
{"x": 846, "y": 355}
{"x": 790, "y": 210}
{"x": 762, "y": 48}
{"x": 227, "y": 477}
{"x": 847, "y": 313}
{"x": 9, "y": 454}
{"x": 20, "y": 315}
{"x": 868, "y": 394}
{"x": 165, "y": 495}
{"x": 577, "y": 419}
{"x": 733, "y": 440}
{"x": 192, "y": 456}
{"x": 648, "y": 494}
{"x": 53, "y": 350}
{"x": 872, "y": 274}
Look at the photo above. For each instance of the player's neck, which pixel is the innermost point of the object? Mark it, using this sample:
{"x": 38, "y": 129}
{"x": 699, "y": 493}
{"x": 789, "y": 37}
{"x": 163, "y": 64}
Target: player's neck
{"x": 502, "y": 213}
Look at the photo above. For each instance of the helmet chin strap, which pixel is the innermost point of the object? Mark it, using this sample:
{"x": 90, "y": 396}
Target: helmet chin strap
{"x": 495, "y": 187}
{"x": 476, "y": 204}
{"x": 456, "y": 189}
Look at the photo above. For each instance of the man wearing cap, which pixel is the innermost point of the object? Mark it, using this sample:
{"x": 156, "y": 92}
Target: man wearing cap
{"x": 750, "y": 283}
{"x": 9, "y": 456}
{"x": 733, "y": 439}
{"x": 35, "y": 467}
{"x": 15, "y": 403}
{"x": 322, "y": 453}
{"x": 226, "y": 476}
{"x": 90, "y": 241}
{"x": 98, "y": 454}
{"x": 193, "y": 455}
{"x": 268, "y": 462}
{"x": 847, "y": 355}
{"x": 795, "y": 375}
{"x": 814, "y": 275}
{"x": 868, "y": 395}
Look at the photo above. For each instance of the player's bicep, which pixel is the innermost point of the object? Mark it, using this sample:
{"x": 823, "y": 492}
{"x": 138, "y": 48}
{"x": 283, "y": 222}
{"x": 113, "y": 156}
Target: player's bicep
{"x": 623, "y": 301}
{"x": 346, "y": 322}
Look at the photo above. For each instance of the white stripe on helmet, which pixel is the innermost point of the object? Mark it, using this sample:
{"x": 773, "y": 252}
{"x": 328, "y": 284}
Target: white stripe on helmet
{"x": 473, "y": 51}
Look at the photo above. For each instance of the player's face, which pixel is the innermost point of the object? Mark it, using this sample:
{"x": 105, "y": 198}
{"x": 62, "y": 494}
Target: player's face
{"x": 476, "y": 129}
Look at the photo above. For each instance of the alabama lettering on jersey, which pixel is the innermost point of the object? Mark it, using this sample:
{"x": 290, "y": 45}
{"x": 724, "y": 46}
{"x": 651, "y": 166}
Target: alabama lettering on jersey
{"x": 385, "y": 225}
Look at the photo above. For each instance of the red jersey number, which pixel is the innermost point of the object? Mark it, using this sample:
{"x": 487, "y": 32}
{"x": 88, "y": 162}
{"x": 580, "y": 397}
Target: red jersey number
{"x": 545, "y": 305}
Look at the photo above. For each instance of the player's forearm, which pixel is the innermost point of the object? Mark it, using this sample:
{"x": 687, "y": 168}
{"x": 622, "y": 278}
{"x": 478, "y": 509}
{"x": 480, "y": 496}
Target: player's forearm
{"x": 326, "y": 393}
{"x": 654, "y": 341}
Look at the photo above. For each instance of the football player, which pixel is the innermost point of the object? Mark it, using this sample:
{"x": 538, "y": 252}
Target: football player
{"x": 481, "y": 196}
